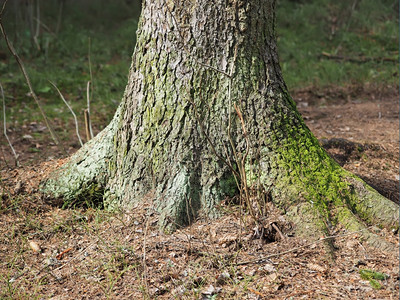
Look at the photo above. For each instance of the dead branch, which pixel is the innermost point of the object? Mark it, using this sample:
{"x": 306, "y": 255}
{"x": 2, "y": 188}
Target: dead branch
{"x": 37, "y": 30}
{"x": 2, "y": 9}
{"x": 59, "y": 18}
{"x": 282, "y": 236}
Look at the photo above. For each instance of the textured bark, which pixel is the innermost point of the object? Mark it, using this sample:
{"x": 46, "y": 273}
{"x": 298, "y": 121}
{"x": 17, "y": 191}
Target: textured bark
{"x": 160, "y": 143}
{"x": 195, "y": 60}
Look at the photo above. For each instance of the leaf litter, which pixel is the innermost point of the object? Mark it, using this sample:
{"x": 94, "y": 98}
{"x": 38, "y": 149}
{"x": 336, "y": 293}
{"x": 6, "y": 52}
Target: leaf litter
{"x": 82, "y": 253}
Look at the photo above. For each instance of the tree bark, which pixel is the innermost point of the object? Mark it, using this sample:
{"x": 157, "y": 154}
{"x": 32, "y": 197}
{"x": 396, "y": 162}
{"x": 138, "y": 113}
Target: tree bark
{"x": 205, "y": 107}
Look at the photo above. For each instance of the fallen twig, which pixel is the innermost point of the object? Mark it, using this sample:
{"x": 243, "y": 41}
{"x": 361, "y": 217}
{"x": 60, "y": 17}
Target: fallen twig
{"x": 87, "y": 120}
{"x": 283, "y": 237}
{"x": 37, "y": 30}
{"x": 81, "y": 253}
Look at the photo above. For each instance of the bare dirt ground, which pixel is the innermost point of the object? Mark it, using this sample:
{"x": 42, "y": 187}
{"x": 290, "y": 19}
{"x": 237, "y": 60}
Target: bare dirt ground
{"x": 49, "y": 252}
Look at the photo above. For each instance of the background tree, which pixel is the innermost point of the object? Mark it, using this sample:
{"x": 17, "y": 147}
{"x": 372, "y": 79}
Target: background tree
{"x": 206, "y": 110}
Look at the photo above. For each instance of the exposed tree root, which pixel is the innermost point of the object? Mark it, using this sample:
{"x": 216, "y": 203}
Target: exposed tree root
{"x": 371, "y": 206}
{"x": 366, "y": 211}
{"x": 353, "y": 224}
{"x": 364, "y": 207}
{"x": 85, "y": 172}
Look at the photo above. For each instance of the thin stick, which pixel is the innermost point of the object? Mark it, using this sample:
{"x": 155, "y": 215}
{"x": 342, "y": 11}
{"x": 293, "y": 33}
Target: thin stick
{"x": 265, "y": 258}
{"x": 242, "y": 165}
{"x": 72, "y": 112}
{"x": 359, "y": 59}
{"x": 230, "y": 113}
{"x": 91, "y": 87}
{"x": 21, "y": 66}
{"x": 89, "y": 123}
{"x": 46, "y": 27}
{"x": 278, "y": 231}
{"x": 5, "y": 127}
{"x": 30, "y": 16}
{"x": 87, "y": 120}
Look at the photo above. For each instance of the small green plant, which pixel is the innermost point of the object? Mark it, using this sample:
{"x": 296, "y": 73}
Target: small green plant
{"x": 373, "y": 277}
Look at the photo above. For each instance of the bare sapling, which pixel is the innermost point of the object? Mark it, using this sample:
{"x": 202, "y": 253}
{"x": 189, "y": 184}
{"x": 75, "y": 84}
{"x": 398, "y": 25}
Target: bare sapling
{"x": 89, "y": 92}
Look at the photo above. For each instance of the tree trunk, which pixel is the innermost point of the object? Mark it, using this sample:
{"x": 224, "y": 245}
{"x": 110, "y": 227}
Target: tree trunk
{"x": 206, "y": 111}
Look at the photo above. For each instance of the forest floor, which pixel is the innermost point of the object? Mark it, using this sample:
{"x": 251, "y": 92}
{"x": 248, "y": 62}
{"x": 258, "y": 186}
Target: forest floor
{"x": 88, "y": 253}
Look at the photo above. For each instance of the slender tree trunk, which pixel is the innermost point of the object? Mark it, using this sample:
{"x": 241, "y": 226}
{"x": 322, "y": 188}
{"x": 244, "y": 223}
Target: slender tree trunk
{"x": 205, "y": 107}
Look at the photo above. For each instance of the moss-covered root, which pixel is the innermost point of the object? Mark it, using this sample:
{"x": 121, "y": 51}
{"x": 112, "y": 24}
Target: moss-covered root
{"x": 353, "y": 224}
{"x": 371, "y": 206}
{"x": 367, "y": 206}
{"x": 84, "y": 171}
{"x": 364, "y": 211}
